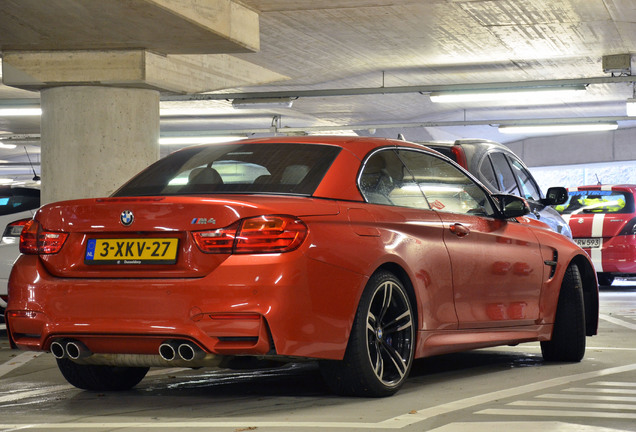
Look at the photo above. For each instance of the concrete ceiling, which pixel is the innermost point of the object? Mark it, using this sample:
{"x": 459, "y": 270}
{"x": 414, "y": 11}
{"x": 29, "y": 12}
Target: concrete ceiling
{"x": 405, "y": 45}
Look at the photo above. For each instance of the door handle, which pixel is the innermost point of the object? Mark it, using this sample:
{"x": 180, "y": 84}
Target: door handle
{"x": 459, "y": 230}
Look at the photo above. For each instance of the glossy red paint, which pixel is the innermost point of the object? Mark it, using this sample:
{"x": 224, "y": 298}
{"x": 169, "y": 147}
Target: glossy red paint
{"x": 474, "y": 281}
{"x": 615, "y": 252}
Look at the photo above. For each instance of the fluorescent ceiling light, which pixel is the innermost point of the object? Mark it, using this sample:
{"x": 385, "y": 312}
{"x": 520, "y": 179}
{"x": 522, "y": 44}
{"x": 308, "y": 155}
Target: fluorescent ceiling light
{"x": 6, "y": 146}
{"x": 173, "y": 112}
{"x": 193, "y": 140}
{"x": 556, "y": 128}
{"x": 262, "y": 103}
{"x": 513, "y": 94}
{"x": 26, "y": 111}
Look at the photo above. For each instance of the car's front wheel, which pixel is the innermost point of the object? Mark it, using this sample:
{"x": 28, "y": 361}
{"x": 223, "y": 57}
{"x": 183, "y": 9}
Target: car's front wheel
{"x": 568, "y": 335}
{"x": 101, "y": 378}
{"x": 382, "y": 342}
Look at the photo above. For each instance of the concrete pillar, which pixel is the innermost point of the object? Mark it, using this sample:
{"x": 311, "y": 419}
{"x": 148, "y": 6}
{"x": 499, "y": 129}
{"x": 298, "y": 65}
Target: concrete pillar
{"x": 95, "y": 138}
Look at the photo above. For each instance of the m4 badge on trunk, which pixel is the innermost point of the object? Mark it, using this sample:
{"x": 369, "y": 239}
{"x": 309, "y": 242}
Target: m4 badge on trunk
{"x": 203, "y": 221}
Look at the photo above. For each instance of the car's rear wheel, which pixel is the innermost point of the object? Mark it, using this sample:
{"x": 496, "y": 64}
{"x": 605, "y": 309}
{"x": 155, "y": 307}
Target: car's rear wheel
{"x": 382, "y": 342}
{"x": 101, "y": 378}
{"x": 568, "y": 335}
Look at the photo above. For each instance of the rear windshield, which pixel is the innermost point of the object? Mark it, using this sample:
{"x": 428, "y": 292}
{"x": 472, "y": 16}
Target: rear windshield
{"x": 445, "y": 150}
{"x": 15, "y": 200}
{"x": 597, "y": 201}
{"x": 285, "y": 168}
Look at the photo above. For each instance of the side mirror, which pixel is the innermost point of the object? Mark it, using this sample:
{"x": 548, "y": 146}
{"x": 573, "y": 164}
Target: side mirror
{"x": 511, "y": 206}
{"x": 556, "y": 195}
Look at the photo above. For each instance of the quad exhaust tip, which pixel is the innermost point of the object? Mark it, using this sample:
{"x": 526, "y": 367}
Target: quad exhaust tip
{"x": 68, "y": 348}
{"x": 172, "y": 350}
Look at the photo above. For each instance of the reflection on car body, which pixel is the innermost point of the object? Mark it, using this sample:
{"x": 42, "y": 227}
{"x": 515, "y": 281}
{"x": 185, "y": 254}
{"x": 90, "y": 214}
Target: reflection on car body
{"x": 361, "y": 253}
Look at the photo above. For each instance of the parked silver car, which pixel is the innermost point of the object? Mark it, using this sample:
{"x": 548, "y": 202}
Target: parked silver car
{"x": 501, "y": 171}
{"x": 17, "y": 204}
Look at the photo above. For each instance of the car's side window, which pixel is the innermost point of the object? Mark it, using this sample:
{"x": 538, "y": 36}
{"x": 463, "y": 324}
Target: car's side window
{"x": 383, "y": 181}
{"x": 445, "y": 186}
{"x": 530, "y": 188}
{"x": 487, "y": 175}
{"x": 376, "y": 182}
{"x": 504, "y": 174}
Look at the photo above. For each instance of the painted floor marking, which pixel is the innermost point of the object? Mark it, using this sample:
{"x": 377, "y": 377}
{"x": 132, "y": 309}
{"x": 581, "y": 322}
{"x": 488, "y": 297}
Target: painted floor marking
{"x": 12, "y": 397}
{"x": 591, "y": 405}
{"x": 559, "y": 413}
{"x": 602, "y": 391}
{"x": 590, "y": 402}
{"x": 613, "y": 384}
{"x": 588, "y": 397}
{"x": 617, "y": 321}
{"x": 18, "y": 361}
{"x": 397, "y": 422}
{"x": 521, "y": 426}
{"x": 424, "y": 414}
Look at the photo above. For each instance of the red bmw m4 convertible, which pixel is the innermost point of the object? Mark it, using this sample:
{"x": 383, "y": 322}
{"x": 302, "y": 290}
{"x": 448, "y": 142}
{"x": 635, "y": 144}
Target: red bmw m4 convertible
{"x": 359, "y": 253}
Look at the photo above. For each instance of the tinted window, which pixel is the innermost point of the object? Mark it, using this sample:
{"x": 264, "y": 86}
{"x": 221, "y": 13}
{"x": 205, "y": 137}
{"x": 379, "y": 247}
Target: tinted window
{"x": 236, "y": 168}
{"x": 446, "y": 151}
{"x": 14, "y": 200}
{"x": 505, "y": 178}
{"x": 524, "y": 178}
{"x": 597, "y": 201}
{"x": 487, "y": 175}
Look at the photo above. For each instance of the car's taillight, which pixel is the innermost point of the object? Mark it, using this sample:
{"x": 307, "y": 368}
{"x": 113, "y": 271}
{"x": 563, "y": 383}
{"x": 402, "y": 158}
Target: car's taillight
{"x": 460, "y": 156}
{"x": 35, "y": 241}
{"x": 216, "y": 241}
{"x": 13, "y": 230}
{"x": 629, "y": 228}
{"x": 262, "y": 234}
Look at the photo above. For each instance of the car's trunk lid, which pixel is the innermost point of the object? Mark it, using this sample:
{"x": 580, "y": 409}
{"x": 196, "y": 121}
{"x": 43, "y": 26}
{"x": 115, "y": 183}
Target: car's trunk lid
{"x": 158, "y": 241}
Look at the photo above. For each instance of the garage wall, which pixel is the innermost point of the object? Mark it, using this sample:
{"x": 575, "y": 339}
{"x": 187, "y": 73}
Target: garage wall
{"x": 580, "y": 159}
{"x": 585, "y": 174}
{"x": 614, "y": 146}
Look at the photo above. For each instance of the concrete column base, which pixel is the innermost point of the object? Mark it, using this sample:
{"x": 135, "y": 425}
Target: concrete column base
{"x": 95, "y": 138}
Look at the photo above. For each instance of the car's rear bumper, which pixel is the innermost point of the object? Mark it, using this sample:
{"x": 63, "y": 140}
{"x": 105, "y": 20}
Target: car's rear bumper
{"x": 616, "y": 255}
{"x": 283, "y": 304}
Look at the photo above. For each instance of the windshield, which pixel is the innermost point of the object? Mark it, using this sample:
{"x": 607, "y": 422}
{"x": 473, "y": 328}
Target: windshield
{"x": 286, "y": 168}
{"x": 597, "y": 201}
{"x": 15, "y": 200}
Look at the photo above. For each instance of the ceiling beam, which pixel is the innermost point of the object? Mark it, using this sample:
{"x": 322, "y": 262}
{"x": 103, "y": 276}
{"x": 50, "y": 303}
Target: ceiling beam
{"x": 401, "y": 89}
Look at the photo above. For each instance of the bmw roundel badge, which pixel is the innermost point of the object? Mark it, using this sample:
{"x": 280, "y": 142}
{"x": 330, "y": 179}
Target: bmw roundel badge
{"x": 126, "y": 217}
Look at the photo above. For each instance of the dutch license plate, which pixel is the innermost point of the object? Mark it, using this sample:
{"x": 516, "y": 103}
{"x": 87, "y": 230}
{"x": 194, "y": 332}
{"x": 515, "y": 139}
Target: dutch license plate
{"x": 589, "y": 243}
{"x": 132, "y": 251}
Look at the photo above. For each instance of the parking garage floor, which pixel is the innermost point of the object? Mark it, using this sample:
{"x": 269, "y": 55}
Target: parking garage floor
{"x": 504, "y": 388}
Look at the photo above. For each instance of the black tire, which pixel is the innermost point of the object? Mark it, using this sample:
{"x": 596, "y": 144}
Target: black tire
{"x": 382, "y": 342}
{"x": 101, "y": 378}
{"x": 604, "y": 279}
{"x": 568, "y": 335}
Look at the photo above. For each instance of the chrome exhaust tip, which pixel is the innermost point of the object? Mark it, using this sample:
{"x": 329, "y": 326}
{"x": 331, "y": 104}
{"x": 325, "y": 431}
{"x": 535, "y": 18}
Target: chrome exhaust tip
{"x": 57, "y": 349}
{"x": 168, "y": 350}
{"x": 76, "y": 350}
{"x": 189, "y": 352}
